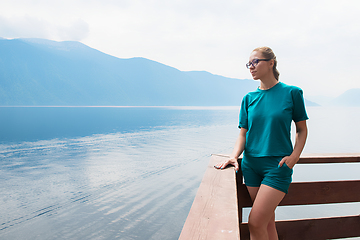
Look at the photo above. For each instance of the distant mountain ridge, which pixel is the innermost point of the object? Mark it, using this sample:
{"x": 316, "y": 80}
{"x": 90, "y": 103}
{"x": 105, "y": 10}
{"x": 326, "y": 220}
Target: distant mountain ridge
{"x": 38, "y": 72}
{"x": 349, "y": 98}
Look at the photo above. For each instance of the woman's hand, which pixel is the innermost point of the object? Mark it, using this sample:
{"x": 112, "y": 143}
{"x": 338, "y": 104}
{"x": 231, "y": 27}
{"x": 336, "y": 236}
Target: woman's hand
{"x": 231, "y": 160}
{"x": 289, "y": 160}
{"x": 300, "y": 139}
{"x": 238, "y": 149}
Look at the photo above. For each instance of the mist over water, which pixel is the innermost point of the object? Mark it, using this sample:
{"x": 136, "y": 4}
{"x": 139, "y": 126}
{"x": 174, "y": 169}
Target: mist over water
{"x": 131, "y": 173}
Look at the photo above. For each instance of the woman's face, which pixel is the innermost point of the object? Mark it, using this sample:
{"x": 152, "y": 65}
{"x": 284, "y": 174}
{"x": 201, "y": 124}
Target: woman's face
{"x": 262, "y": 69}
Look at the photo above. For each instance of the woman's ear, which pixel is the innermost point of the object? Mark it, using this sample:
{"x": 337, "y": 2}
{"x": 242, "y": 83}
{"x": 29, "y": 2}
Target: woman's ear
{"x": 271, "y": 62}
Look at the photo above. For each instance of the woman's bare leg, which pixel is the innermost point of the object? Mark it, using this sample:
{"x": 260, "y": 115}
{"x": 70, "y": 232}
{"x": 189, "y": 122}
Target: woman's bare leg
{"x": 271, "y": 228}
{"x": 262, "y": 215}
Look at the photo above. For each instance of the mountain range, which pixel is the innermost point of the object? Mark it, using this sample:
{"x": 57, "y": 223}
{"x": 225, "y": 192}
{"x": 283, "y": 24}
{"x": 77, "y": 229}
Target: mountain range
{"x": 349, "y": 98}
{"x": 43, "y": 72}
{"x": 40, "y": 72}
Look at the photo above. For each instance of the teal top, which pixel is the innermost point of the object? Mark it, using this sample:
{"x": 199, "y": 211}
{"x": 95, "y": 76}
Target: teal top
{"x": 267, "y": 115}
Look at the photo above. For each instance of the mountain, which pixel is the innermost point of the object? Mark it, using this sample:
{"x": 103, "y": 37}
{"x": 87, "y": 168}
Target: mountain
{"x": 311, "y": 103}
{"x": 36, "y": 72}
{"x": 349, "y": 98}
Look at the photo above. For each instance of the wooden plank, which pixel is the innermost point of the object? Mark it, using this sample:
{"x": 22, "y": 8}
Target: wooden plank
{"x": 244, "y": 231}
{"x": 243, "y": 196}
{"x": 312, "y": 193}
{"x": 322, "y": 158}
{"x": 322, "y": 193}
{"x": 330, "y": 158}
{"x": 214, "y": 213}
{"x": 313, "y": 229}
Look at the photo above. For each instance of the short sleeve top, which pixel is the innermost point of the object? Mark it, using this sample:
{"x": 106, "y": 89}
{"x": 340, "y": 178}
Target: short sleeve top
{"x": 267, "y": 115}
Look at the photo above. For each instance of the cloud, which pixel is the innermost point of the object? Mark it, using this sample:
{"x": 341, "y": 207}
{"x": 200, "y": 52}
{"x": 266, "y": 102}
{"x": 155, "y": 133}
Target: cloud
{"x": 25, "y": 26}
{"x": 76, "y": 31}
{"x": 33, "y": 27}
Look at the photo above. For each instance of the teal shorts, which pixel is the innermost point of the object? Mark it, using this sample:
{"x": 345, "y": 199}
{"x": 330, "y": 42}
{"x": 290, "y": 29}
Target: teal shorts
{"x": 265, "y": 170}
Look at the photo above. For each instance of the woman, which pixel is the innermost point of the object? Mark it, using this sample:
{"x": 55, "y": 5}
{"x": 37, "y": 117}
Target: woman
{"x": 265, "y": 120}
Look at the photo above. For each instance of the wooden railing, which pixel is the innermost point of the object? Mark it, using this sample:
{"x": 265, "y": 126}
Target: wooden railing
{"x": 217, "y": 210}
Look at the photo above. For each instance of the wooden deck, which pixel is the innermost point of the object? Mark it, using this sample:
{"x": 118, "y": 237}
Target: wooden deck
{"x": 217, "y": 209}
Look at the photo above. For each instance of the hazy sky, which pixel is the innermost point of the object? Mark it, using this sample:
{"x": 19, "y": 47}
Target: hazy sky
{"x": 316, "y": 41}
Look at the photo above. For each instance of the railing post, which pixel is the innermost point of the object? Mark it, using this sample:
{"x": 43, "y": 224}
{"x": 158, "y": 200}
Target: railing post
{"x": 214, "y": 213}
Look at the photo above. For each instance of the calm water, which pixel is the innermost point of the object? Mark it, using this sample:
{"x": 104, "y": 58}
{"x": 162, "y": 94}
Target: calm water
{"x": 132, "y": 173}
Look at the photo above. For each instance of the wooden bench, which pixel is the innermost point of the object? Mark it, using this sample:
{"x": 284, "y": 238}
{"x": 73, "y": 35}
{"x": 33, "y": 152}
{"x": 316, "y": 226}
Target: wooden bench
{"x": 217, "y": 209}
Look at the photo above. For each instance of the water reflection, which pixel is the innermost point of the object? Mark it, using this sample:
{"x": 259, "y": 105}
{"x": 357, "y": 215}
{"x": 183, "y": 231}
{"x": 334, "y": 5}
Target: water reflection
{"x": 134, "y": 182}
{"x": 128, "y": 185}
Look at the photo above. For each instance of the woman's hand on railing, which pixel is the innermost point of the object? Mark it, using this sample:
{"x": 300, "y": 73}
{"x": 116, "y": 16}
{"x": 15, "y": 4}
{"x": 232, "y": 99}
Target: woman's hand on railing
{"x": 233, "y": 161}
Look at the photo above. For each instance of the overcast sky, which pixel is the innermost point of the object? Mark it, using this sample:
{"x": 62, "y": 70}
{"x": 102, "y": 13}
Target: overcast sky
{"x": 316, "y": 41}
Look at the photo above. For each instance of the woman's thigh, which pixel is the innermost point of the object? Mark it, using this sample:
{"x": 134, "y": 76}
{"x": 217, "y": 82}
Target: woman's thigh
{"x": 252, "y": 192}
{"x": 266, "y": 199}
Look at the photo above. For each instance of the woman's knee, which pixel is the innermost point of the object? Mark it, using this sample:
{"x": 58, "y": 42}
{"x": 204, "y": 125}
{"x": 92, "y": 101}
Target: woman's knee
{"x": 261, "y": 220}
{"x": 256, "y": 221}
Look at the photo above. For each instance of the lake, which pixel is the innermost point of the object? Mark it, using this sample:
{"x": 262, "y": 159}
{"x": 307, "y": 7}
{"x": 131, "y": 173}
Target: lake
{"x": 133, "y": 172}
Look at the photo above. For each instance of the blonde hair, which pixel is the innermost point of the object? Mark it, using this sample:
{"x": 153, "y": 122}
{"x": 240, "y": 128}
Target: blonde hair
{"x": 269, "y": 54}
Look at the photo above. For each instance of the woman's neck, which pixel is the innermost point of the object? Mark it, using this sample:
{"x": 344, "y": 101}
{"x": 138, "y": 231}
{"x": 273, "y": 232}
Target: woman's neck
{"x": 266, "y": 84}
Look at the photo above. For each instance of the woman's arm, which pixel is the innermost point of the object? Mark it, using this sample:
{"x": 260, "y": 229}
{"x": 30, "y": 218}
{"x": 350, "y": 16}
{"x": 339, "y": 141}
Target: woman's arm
{"x": 238, "y": 149}
{"x": 300, "y": 139}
